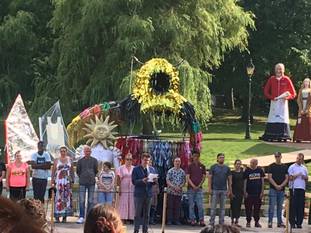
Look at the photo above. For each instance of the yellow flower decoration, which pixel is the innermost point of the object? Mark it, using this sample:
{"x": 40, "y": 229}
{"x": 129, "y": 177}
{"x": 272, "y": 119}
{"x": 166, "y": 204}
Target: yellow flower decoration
{"x": 156, "y": 87}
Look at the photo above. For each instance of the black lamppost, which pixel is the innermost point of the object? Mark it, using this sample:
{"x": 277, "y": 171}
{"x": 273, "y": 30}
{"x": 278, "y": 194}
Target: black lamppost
{"x": 250, "y": 68}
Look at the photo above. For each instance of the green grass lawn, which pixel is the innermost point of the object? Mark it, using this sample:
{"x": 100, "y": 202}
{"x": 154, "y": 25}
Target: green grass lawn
{"x": 226, "y": 134}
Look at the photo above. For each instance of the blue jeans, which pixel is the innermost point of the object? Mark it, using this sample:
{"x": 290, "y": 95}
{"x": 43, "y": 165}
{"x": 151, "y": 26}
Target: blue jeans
{"x": 218, "y": 196}
{"x": 82, "y": 191}
{"x": 105, "y": 197}
{"x": 196, "y": 196}
{"x": 276, "y": 197}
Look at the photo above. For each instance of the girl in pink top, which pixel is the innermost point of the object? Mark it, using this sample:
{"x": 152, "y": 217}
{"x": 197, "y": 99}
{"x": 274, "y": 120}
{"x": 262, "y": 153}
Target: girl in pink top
{"x": 17, "y": 178}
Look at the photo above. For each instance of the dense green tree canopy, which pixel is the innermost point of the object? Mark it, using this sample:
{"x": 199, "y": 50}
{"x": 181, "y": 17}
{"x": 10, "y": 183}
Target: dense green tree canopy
{"x": 96, "y": 40}
{"x": 25, "y": 45}
{"x": 283, "y": 34}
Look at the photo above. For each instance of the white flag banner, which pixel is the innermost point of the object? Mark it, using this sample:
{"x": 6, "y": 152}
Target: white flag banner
{"x": 19, "y": 132}
{"x": 53, "y": 131}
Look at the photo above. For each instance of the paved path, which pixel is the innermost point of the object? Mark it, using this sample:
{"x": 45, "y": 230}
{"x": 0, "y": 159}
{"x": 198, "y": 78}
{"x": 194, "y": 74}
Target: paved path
{"x": 72, "y": 227}
{"x": 287, "y": 158}
{"x": 302, "y": 146}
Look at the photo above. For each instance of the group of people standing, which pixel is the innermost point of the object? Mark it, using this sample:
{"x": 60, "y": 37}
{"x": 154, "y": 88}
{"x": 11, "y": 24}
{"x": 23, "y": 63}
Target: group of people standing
{"x": 249, "y": 185}
{"x": 136, "y": 187}
{"x": 17, "y": 174}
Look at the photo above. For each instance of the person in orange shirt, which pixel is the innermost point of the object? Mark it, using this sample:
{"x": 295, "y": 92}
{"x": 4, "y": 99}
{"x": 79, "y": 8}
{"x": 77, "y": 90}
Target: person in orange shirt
{"x": 278, "y": 89}
{"x": 18, "y": 178}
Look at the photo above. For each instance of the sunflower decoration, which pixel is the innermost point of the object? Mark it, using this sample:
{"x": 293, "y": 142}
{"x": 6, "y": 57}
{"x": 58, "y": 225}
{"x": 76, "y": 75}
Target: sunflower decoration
{"x": 100, "y": 131}
{"x": 156, "y": 87}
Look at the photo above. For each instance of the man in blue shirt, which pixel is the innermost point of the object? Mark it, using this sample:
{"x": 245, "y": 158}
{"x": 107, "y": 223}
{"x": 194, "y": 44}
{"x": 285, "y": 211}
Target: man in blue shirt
{"x": 142, "y": 192}
{"x": 40, "y": 164}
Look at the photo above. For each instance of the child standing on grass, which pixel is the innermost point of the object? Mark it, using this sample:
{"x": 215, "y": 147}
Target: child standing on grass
{"x": 106, "y": 181}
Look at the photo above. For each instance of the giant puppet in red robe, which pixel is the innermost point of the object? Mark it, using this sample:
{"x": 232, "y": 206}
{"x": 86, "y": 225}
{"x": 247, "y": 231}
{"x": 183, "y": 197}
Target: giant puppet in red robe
{"x": 278, "y": 89}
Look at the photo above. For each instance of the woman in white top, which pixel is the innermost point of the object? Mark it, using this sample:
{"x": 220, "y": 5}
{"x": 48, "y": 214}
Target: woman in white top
{"x": 303, "y": 126}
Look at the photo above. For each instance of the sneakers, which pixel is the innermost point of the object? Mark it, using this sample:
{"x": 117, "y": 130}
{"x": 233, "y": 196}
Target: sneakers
{"x": 257, "y": 225}
{"x": 270, "y": 225}
{"x": 281, "y": 225}
{"x": 248, "y": 224}
{"x": 80, "y": 220}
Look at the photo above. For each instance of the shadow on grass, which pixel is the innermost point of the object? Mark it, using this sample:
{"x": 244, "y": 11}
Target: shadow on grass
{"x": 266, "y": 149}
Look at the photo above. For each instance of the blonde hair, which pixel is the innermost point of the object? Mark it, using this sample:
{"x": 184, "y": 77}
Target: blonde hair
{"x": 303, "y": 85}
{"x": 101, "y": 218}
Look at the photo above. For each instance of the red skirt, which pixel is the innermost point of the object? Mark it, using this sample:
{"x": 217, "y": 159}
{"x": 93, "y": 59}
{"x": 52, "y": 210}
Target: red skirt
{"x": 303, "y": 130}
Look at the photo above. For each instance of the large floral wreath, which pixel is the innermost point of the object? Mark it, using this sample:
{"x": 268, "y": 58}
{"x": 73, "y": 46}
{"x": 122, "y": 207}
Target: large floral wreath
{"x": 156, "y": 87}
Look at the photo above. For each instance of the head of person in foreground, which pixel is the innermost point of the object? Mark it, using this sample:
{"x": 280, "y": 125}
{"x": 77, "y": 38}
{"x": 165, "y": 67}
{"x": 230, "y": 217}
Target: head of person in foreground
{"x": 220, "y": 229}
{"x": 103, "y": 219}
{"x": 14, "y": 219}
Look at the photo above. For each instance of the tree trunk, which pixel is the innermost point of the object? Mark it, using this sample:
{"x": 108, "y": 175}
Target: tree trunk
{"x": 148, "y": 125}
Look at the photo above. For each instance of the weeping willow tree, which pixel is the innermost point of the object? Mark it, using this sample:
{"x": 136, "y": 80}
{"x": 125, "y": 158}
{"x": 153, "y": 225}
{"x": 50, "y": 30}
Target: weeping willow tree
{"x": 96, "y": 39}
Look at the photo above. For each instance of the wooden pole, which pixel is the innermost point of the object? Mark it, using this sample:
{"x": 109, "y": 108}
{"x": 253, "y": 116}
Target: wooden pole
{"x": 164, "y": 210}
{"x": 52, "y": 202}
{"x": 52, "y": 211}
{"x": 287, "y": 202}
{"x": 309, "y": 221}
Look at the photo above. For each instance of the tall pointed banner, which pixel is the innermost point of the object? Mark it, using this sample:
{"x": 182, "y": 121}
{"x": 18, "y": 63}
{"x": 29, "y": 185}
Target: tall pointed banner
{"x": 53, "y": 131}
{"x": 19, "y": 132}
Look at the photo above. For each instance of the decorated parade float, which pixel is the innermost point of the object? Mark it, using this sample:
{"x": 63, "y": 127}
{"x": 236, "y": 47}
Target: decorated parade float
{"x": 155, "y": 93}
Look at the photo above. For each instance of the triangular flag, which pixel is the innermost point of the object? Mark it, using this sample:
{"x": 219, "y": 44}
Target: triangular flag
{"x": 19, "y": 132}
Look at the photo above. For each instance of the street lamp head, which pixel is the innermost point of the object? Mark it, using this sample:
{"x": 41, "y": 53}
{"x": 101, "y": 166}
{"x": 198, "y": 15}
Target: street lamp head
{"x": 250, "y": 68}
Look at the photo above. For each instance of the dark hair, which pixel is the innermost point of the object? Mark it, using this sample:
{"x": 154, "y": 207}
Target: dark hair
{"x": 220, "y": 154}
{"x": 40, "y": 143}
{"x": 14, "y": 219}
{"x": 277, "y": 153}
{"x": 145, "y": 155}
{"x": 108, "y": 164}
{"x": 101, "y": 218}
{"x": 195, "y": 152}
{"x": 237, "y": 160}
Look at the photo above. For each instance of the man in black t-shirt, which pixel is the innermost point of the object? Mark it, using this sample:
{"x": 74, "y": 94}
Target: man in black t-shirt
{"x": 278, "y": 178}
{"x": 2, "y": 175}
{"x": 253, "y": 191}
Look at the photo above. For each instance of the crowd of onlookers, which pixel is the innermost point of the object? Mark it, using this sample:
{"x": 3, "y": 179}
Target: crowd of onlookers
{"x": 134, "y": 190}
